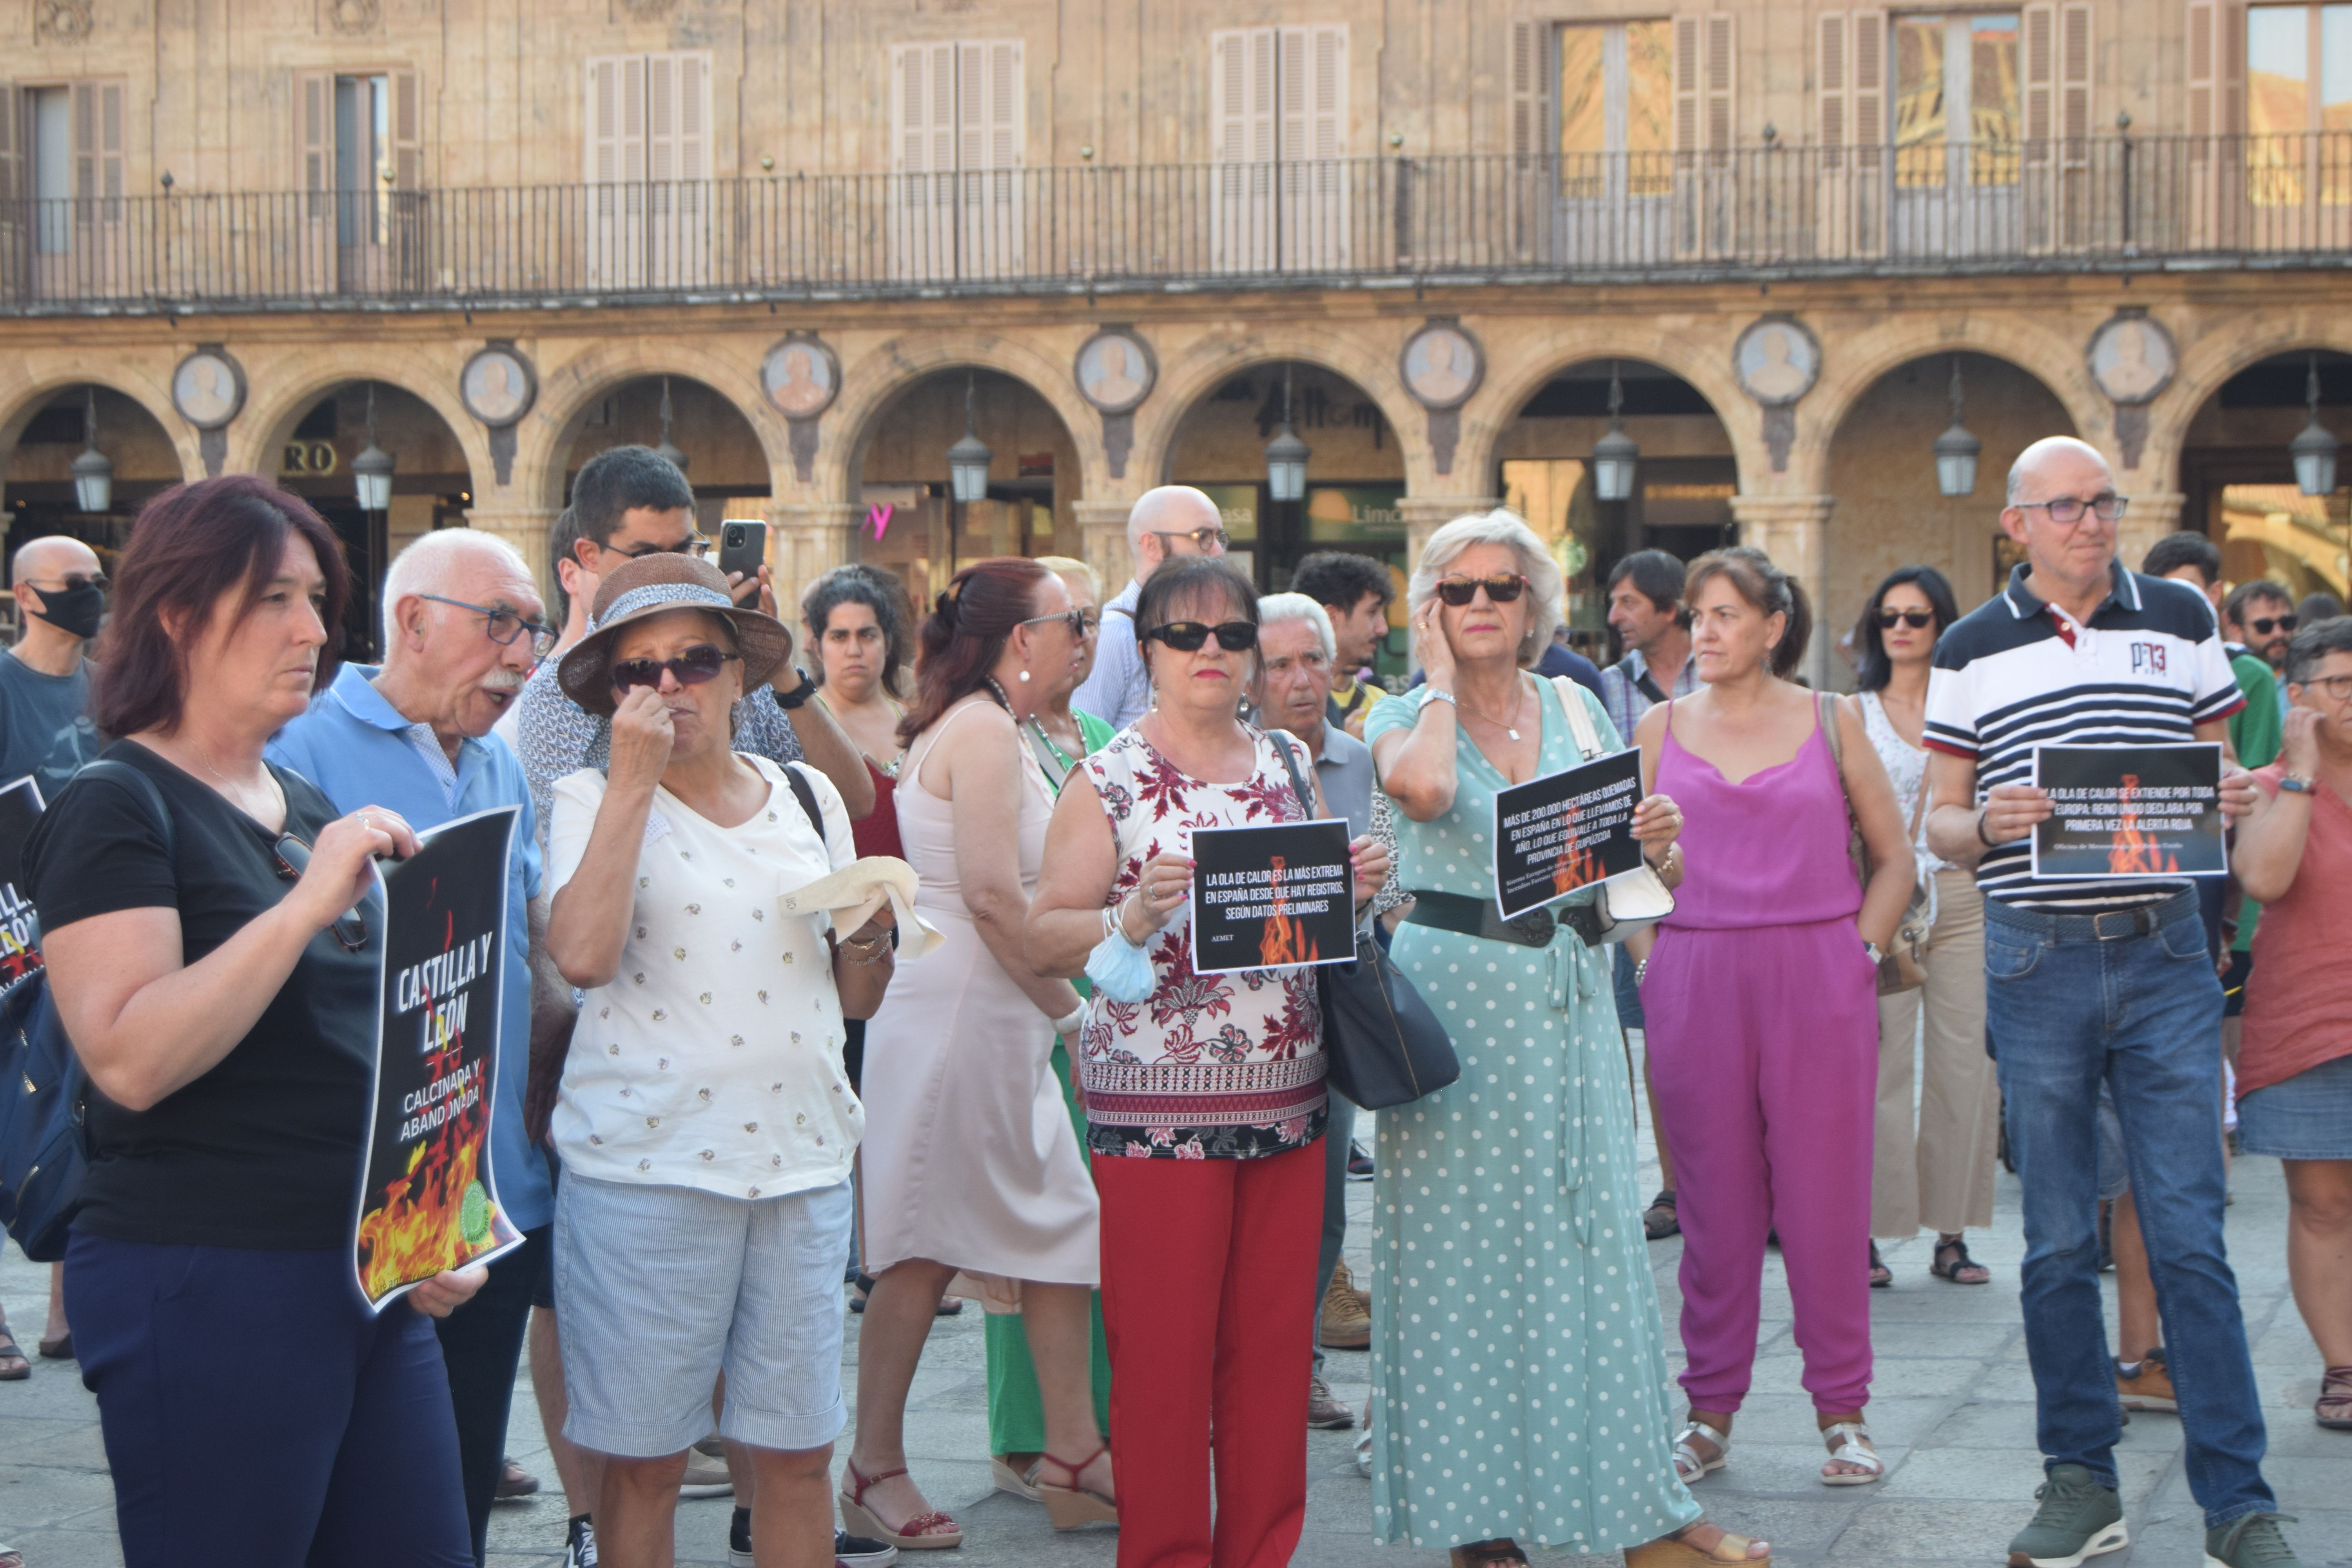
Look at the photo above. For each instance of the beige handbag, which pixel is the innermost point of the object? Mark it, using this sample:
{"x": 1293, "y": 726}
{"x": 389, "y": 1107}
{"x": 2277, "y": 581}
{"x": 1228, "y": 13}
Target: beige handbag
{"x": 1637, "y": 900}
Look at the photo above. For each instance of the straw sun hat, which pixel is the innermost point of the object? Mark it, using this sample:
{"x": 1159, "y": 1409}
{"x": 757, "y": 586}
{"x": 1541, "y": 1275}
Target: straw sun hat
{"x": 653, "y": 585}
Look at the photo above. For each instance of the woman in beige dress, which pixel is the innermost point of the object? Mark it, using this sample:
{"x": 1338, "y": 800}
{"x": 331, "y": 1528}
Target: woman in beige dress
{"x": 969, "y": 1165}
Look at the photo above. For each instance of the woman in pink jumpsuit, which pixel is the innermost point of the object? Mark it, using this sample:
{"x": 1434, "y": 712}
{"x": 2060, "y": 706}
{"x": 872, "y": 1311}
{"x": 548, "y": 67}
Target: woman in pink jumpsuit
{"x": 1761, "y": 997}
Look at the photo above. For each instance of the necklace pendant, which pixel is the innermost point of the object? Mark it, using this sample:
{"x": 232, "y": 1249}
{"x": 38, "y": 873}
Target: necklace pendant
{"x": 1513, "y": 733}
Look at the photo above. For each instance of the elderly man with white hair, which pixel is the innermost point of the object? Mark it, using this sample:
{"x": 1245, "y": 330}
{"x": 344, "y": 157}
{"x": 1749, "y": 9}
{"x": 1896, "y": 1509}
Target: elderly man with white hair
{"x": 462, "y": 629}
{"x": 1167, "y": 522}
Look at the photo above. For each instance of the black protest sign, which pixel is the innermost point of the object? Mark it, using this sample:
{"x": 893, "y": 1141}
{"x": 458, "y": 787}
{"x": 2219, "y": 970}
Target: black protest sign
{"x": 428, "y": 1200}
{"x": 1566, "y": 830}
{"x": 2129, "y": 811}
{"x": 1265, "y": 897}
{"x": 20, "y": 929}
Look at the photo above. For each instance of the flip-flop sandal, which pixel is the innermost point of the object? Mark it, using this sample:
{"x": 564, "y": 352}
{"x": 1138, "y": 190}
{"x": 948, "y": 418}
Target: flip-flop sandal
{"x": 10, "y": 1351}
{"x": 1950, "y": 1273}
{"x": 1659, "y": 1220}
{"x": 1848, "y": 1443}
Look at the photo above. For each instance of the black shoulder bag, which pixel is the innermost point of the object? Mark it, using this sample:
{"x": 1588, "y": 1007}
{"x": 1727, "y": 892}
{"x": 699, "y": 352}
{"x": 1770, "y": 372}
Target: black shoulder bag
{"x": 1385, "y": 1047}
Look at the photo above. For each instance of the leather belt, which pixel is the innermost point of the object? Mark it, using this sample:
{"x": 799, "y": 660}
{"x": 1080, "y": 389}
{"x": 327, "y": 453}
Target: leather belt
{"x": 1467, "y": 916}
{"x": 2107, "y": 925}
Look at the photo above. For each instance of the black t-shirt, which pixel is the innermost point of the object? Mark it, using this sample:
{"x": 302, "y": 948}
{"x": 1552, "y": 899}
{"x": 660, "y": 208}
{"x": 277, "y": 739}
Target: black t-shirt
{"x": 264, "y": 1150}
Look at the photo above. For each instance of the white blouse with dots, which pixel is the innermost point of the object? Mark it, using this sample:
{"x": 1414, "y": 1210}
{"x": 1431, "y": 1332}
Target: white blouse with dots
{"x": 713, "y": 1059}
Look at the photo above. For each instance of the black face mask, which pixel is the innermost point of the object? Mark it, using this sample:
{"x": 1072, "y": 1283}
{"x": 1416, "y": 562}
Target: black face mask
{"x": 76, "y": 610}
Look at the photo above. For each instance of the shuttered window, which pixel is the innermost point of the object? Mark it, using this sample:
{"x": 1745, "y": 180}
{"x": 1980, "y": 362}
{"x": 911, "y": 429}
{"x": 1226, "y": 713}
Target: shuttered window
{"x": 957, "y": 134}
{"x": 647, "y": 150}
{"x": 1278, "y": 134}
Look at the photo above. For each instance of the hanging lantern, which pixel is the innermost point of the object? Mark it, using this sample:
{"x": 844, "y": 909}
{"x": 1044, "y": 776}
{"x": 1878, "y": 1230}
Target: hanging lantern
{"x": 372, "y": 470}
{"x": 668, "y": 453}
{"x": 1614, "y": 454}
{"x": 1956, "y": 449}
{"x": 93, "y": 471}
{"x": 967, "y": 460}
{"x": 1287, "y": 455}
{"x": 2314, "y": 448}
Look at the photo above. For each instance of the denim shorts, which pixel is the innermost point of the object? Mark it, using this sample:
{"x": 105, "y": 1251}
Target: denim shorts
{"x": 2306, "y": 1116}
{"x": 659, "y": 1289}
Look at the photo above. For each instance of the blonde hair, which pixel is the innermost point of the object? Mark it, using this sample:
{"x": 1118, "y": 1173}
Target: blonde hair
{"x": 1071, "y": 566}
{"x": 1536, "y": 564}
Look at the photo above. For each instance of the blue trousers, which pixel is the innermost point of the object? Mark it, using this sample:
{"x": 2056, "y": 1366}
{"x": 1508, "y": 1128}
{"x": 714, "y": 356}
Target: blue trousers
{"x": 2140, "y": 1011}
{"x": 257, "y": 1416}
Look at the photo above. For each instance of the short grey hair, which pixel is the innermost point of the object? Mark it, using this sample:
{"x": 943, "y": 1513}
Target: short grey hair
{"x": 2313, "y": 644}
{"x": 1497, "y": 527}
{"x": 1275, "y": 608}
{"x": 431, "y": 564}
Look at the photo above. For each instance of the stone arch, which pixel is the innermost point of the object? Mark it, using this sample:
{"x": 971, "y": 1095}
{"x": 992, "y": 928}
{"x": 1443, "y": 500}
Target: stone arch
{"x": 569, "y": 388}
{"x": 1203, "y": 365}
{"x": 2220, "y": 352}
{"x": 2050, "y": 351}
{"x": 285, "y": 381}
{"x": 40, "y": 374}
{"x": 1531, "y": 355}
{"x": 878, "y": 375}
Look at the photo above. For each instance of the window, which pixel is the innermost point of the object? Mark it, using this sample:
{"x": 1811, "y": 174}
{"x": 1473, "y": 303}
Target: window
{"x": 62, "y": 147}
{"x": 2298, "y": 84}
{"x": 1278, "y": 114}
{"x": 647, "y": 169}
{"x": 1958, "y": 81}
{"x": 958, "y": 121}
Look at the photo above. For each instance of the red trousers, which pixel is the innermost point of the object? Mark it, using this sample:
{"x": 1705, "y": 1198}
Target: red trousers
{"x": 1208, "y": 1291}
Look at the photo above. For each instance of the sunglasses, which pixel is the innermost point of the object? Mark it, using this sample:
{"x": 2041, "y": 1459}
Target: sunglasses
{"x": 1074, "y": 619}
{"x": 2261, "y": 628}
{"x": 1914, "y": 619}
{"x": 1189, "y": 637}
{"x": 1202, "y": 537}
{"x": 697, "y": 664}
{"x": 349, "y": 928}
{"x": 1501, "y": 588}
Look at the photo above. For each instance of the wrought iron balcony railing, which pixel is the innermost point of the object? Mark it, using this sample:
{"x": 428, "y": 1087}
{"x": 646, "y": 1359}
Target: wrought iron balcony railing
{"x": 1747, "y": 212}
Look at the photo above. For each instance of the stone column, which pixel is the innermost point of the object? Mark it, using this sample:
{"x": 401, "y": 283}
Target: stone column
{"x": 1424, "y": 515}
{"x": 1102, "y": 524}
{"x": 1794, "y": 532}
{"x": 2148, "y": 519}
{"x": 525, "y": 528}
{"x": 811, "y": 538}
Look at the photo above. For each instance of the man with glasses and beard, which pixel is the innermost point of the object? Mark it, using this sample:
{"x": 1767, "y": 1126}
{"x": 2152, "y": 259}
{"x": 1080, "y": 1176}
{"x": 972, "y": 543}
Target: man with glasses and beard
{"x": 2259, "y": 617}
{"x": 462, "y": 628}
{"x": 1167, "y": 522}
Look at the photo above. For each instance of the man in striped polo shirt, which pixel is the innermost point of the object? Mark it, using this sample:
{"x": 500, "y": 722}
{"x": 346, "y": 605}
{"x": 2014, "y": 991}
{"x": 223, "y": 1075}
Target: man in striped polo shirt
{"x": 2088, "y": 980}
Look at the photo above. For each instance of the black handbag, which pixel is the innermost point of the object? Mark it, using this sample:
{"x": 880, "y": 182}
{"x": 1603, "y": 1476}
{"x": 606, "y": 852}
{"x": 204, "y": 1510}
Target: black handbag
{"x": 1384, "y": 1046}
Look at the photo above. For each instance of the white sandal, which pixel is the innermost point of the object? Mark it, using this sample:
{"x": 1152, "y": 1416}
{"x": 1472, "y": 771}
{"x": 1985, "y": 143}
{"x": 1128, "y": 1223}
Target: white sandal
{"x": 1849, "y": 1446}
{"x": 1688, "y": 1465}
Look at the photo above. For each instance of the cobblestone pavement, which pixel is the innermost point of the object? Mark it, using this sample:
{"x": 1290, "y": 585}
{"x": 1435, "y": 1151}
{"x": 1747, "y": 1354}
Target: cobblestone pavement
{"x": 1953, "y": 1415}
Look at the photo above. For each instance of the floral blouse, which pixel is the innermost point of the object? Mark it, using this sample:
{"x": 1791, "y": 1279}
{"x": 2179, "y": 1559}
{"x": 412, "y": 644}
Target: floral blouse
{"x": 1215, "y": 1066}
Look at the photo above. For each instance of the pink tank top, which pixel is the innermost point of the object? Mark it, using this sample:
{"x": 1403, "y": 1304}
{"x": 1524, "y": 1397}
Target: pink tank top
{"x": 1768, "y": 851}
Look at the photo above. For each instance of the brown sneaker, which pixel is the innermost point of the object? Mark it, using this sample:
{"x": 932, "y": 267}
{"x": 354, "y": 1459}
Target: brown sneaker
{"x": 1347, "y": 1282}
{"x": 1325, "y": 1413}
{"x": 2151, "y": 1390}
{"x": 1346, "y": 1325}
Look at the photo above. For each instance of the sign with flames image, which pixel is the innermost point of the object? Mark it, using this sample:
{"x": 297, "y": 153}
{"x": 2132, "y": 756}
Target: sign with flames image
{"x": 1566, "y": 830}
{"x": 1264, "y": 898}
{"x": 2129, "y": 811}
{"x": 428, "y": 1200}
{"x": 20, "y": 928}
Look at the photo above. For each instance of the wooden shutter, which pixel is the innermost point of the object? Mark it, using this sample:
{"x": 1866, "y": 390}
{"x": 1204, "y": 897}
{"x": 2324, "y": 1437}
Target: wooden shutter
{"x": 1531, "y": 77}
{"x": 922, "y": 108}
{"x": 96, "y": 119}
{"x": 314, "y": 140}
{"x": 676, "y": 117}
{"x": 2040, "y": 68}
{"x": 616, "y": 119}
{"x": 1004, "y": 122}
{"x": 1722, "y": 78}
{"x": 1833, "y": 87}
{"x": 1327, "y": 93}
{"x": 407, "y": 132}
{"x": 1689, "y": 67}
{"x": 1867, "y": 117}
{"x": 2075, "y": 76}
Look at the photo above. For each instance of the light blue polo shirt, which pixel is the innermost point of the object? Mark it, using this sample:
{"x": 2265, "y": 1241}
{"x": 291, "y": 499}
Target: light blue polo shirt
{"x": 359, "y": 751}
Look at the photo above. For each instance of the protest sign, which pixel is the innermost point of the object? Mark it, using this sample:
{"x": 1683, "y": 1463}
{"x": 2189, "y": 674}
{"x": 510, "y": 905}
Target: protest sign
{"x": 429, "y": 1199}
{"x": 1265, "y": 897}
{"x": 20, "y": 929}
{"x": 2129, "y": 811}
{"x": 1566, "y": 830}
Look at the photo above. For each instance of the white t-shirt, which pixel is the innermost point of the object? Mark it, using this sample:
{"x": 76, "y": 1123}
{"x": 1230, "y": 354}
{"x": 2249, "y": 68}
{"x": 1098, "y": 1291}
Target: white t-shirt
{"x": 713, "y": 1059}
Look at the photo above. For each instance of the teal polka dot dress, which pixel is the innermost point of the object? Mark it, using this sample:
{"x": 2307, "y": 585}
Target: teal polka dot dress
{"x": 1517, "y": 1355}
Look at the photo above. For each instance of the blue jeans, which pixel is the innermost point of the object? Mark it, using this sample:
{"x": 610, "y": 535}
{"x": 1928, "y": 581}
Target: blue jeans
{"x": 2134, "y": 1003}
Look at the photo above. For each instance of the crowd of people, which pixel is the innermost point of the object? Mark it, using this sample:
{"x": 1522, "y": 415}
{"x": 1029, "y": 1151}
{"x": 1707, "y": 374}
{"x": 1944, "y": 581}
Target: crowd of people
{"x": 716, "y": 1118}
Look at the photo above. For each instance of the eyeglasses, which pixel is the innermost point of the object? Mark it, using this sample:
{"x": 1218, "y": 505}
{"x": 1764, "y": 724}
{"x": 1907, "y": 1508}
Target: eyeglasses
{"x": 73, "y": 582}
{"x": 1914, "y": 619}
{"x": 504, "y": 626}
{"x": 349, "y": 928}
{"x": 2070, "y": 509}
{"x": 2338, "y": 688}
{"x": 1501, "y": 588}
{"x": 1202, "y": 537}
{"x": 697, "y": 664}
{"x": 1075, "y": 619}
{"x": 692, "y": 544}
{"x": 1190, "y": 637}
{"x": 2261, "y": 628}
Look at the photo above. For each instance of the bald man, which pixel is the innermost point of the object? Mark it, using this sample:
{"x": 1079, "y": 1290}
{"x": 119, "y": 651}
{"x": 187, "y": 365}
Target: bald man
{"x": 1167, "y": 522}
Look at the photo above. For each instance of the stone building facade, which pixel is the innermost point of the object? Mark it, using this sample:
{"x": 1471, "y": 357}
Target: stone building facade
{"x": 817, "y": 233}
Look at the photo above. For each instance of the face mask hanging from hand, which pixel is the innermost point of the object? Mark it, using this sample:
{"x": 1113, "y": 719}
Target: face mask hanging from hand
{"x": 77, "y": 610}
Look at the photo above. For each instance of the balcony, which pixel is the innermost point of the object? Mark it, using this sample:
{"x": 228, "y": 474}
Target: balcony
{"x": 1750, "y": 213}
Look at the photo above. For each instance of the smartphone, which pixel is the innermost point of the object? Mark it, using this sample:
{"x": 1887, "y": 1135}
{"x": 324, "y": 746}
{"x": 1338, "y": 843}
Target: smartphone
{"x": 742, "y": 547}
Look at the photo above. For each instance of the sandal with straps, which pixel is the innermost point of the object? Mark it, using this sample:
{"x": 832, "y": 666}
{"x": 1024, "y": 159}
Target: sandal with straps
{"x": 2335, "y": 1391}
{"x": 1673, "y": 1552}
{"x": 1689, "y": 1465}
{"x": 1073, "y": 1506}
{"x": 931, "y": 1532}
{"x": 1954, "y": 1272}
{"x": 1500, "y": 1551}
{"x": 1848, "y": 1444}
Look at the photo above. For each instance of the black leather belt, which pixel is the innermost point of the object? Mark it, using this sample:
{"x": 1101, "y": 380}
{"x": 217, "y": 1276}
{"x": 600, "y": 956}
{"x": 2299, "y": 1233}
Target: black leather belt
{"x": 1480, "y": 918}
{"x": 2107, "y": 925}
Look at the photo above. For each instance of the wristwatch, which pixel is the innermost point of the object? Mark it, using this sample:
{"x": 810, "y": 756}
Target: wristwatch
{"x": 2302, "y": 784}
{"x": 788, "y": 701}
{"x": 1877, "y": 957}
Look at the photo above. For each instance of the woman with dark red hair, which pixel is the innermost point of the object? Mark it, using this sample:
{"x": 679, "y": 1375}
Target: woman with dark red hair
{"x": 970, "y": 1167}
{"x": 213, "y": 942}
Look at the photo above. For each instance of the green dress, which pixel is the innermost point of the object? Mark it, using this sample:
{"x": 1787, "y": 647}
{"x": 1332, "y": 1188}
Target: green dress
{"x": 1016, "y": 1414}
{"x": 1518, "y": 1362}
